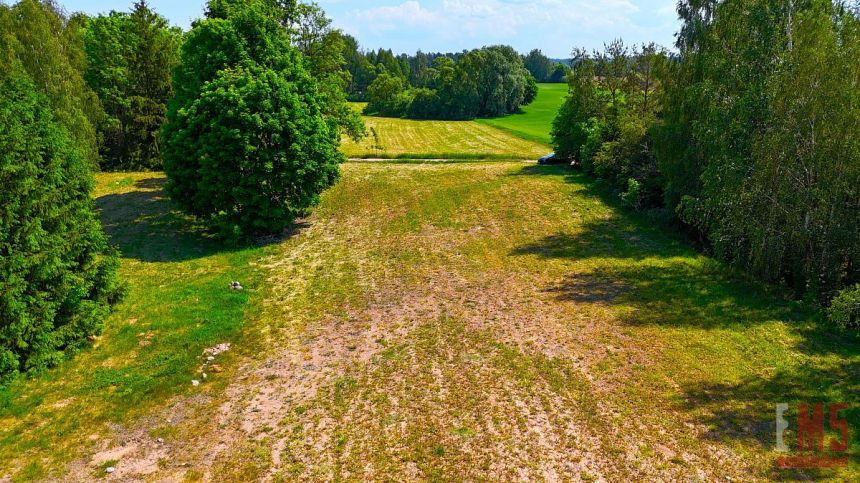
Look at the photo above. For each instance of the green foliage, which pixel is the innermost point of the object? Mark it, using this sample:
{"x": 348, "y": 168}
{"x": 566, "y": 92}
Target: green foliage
{"x": 605, "y": 124}
{"x": 759, "y": 147}
{"x": 844, "y": 310}
{"x": 633, "y": 195}
{"x": 57, "y": 275}
{"x": 559, "y": 73}
{"x": 539, "y": 65}
{"x": 386, "y": 96}
{"x": 487, "y": 82}
{"x": 131, "y": 58}
{"x": 48, "y": 47}
{"x": 248, "y": 145}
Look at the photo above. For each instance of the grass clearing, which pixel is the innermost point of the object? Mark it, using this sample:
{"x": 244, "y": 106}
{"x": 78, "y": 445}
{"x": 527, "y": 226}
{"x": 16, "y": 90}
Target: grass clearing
{"x": 535, "y": 122}
{"x": 451, "y": 140}
{"x": 431, "y": 321}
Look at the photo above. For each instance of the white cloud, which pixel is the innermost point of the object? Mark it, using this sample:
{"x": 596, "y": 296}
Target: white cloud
{"x": 554, "y": 25}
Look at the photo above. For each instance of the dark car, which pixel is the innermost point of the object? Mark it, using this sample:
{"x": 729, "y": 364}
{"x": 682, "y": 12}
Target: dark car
{"x": 555, "y": 159}
{"x": 551, "y": 159}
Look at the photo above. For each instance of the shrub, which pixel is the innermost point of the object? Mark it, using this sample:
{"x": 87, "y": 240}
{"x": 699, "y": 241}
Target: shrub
{"x": 845, "y": 309}
{"x": 633, "y": 195}
{"x": 258, "y": 150}
{"x": 248, "y": 146}
{"x": 57, "y": 275}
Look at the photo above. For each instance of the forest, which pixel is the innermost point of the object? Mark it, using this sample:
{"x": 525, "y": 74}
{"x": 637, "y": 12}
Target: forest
{"x": 748, "y": 142}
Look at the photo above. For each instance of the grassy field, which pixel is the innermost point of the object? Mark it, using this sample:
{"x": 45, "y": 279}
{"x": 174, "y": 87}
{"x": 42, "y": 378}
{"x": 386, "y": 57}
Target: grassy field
{"x": 460, "y": 140}
{"x": 464, "y": 321}
{"x": 535, "y": 122}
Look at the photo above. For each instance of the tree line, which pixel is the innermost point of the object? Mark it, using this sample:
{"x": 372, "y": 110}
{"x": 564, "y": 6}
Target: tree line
{"x": 487, "y": 82}
{"x": 421, "y": 70}
{"x": 748, "y": 136}
{"x": 244, "y": 113}
{"x": 543, "y": 69}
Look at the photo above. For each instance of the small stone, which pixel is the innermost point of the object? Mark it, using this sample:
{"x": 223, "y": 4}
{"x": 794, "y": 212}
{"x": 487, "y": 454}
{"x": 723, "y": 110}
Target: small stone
{"x": 210, "y": 358}
{"x": 235, "y": 286}
{"x": 110, "y": 469}
{"x": 195, "y": 382}
{"x": 218, "y": 349}
{"x": 160, "y": 440}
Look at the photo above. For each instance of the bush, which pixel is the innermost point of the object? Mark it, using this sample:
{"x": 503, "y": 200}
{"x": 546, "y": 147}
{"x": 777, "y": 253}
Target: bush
{"x": 387, "y": 96}
{"x": 257, "y": 148}
{"x": 57, "y": 275}
{"x": 633, "y": 195}
{"x": 845, "y": 309}
{"x": 248, "y": 146}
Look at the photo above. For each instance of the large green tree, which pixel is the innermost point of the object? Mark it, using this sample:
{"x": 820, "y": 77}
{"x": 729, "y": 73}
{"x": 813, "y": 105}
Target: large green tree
{"x": 759, "y": 147}
{"x": 57, "y": 275}
{"x": 539, "y": 65}
{"x": 606, "y": 122}
{"x": 248, "y": 142}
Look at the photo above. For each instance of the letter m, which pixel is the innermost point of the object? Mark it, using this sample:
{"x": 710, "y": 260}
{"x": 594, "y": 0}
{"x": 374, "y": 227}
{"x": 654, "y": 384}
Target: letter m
{"x": 810, "y": 428}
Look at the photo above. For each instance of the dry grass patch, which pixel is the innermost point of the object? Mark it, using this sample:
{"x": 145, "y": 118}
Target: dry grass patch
{"x": 453, "y": 140}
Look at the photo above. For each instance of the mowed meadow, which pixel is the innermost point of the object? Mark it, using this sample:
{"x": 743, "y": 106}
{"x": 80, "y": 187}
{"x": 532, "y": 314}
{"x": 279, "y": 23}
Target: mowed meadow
{"x": 422, "y": 319}
{"x": 535, "y": 120}
{"x": 521, "y": 136}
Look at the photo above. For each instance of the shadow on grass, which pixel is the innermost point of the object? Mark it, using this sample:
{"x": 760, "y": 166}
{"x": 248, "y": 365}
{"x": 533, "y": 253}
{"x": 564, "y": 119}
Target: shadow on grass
{"x": 145, "y": 226}
{"x": 616, "y": 237}
{"x": 746, "y": 411}
{"x": 660, "y": 284}
{"x": 679, "y": 293}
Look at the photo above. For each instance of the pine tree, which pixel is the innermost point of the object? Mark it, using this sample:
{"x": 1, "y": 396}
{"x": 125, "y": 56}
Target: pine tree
{"x": 131, "y": 58}
{"x": 57, "y": 274}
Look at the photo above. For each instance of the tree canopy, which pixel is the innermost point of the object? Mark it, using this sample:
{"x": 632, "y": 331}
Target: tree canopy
{"x": 487, "y": 82}
{"x": 248, "y": 143}
{"x": 131, "y": 57}
{"x": 744, "y": 135}
{"x": 47, "y": 45}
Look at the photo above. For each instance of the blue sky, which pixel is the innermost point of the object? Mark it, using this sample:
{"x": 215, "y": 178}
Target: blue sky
{"x": 554, "y": 26}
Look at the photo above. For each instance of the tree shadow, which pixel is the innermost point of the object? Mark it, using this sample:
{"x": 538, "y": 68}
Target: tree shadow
{"x": 616, "y": 237}
{"x": 680, "y": 293}
{"x": 561, "y": 170}
{"x": 144, "y": 226}
{"x": 746, "y": 411}
{"x": 656, "y": 284}
{"x": 705, "y": 295}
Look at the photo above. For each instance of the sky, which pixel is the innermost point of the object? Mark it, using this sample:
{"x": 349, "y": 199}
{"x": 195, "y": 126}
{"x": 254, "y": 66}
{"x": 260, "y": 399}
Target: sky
{"x": 554, "y": 26}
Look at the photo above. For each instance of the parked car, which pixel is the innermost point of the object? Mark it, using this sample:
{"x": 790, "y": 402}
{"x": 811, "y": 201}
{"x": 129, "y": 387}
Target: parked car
{"x": 552, "y": 159}
{"x": 548, "y": 159}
